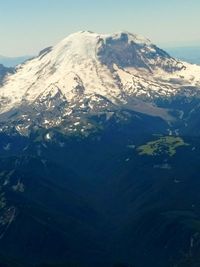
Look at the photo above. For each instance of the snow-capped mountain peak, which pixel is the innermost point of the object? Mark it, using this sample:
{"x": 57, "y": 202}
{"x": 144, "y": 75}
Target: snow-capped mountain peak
{"x": 110, "y": 68}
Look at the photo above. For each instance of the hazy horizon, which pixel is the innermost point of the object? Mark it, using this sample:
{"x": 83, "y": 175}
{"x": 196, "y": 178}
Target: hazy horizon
{"x": 28, "y": 27}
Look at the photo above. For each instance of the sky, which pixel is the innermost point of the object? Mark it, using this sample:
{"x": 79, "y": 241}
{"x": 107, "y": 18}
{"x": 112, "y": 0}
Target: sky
{"x": 28, "y": 26}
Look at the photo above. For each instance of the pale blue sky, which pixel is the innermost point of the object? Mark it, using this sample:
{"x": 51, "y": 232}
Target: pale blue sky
{"x": 27, "y": 26}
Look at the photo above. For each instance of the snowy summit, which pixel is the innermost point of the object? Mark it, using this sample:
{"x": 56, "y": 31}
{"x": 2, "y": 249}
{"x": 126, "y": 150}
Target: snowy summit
{"x": 93, "y": 72}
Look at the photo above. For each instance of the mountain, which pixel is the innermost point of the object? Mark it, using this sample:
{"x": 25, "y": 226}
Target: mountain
{"x": 13, "y": 61}
{"x": 90, "y": 73}
{"x": 99, "y": 156}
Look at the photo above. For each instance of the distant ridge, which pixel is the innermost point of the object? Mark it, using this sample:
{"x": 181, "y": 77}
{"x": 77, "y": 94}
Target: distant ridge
{"x": 12, "y": 61}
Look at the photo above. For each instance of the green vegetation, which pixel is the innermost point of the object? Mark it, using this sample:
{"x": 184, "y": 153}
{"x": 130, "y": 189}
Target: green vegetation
{"x": 165, "y": 144}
